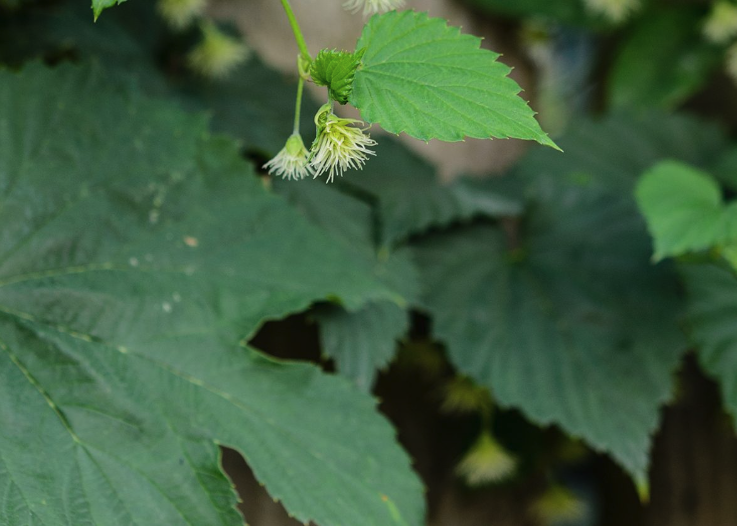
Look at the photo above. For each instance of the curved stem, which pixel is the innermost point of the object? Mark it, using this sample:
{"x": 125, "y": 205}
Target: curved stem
{"x": 298, "y": 104}
{"x": 301, "y": 44}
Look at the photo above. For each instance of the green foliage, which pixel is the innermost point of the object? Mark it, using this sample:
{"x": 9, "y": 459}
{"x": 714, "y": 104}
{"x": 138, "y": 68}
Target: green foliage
{"x": 565, "y": 319}
{"x": 614, "y": 151}
{"x": 685, "y": 210}
{"x": 410, "y": 198}
{"x": 423, "y": 77}
{"x": 98, "y": 6}
{"x": 364, "y": 341}
{"x": 664, "y": 61}
{"x": 712, "y": 311}
{"x": 336, "y": 70}
{"x": 137, "y": 252}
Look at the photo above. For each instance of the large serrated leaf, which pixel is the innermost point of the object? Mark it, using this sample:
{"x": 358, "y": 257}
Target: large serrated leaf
{"x": 135, "y": 254}
{"x": 423, "y": 77}
{"x": 685, "y": 209}
{"x": 565, "y": 320}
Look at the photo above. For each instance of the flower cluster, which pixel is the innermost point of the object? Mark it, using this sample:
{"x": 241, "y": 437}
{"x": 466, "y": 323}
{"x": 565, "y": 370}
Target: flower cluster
{"x": 721, "y": 25}
{"x": 487, "y": 462}
{"x": 370, "y": 7}
{"x": 615, "y": 10}
{"x": 217, "y": 54}
{"x": 181, "y": 13}
{"x": 340, "y": 145}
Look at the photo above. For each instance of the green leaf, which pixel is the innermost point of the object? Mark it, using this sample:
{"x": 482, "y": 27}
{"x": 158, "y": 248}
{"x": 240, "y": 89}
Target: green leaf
{"x": 424, "y": 78}
{"x": 363, "y": 341}
{"x": 336, "y": 70}
{"x": 684, "y": 210}
{"x": 572, "y": 324}
{"x": 136, "y": 253}
{"x": 664, "y": 61}
{"x": 410, "y": 197}
{"x": 725, "y": 168}
{"x": 98, "y": 6}
{"x": 712, "y": 321}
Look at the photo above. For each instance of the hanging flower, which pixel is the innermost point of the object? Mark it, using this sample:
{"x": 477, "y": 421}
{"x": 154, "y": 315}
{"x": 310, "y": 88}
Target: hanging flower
{"x": 462, "y": 395}
{"x": 217, "y": 54}
{"x": 292, "y": 162}
{"x": 181, "y": 13}
{"x": 486, "y": 462}
{"x": 559, "y": 505}
{"x": 721, "y": 25}
{"x": 370, "y": 7}
{"x": 339, "y": 145}
{"x": 615, "y": 10}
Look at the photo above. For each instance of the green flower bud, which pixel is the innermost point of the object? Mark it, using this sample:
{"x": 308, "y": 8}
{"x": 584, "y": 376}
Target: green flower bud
{"x": 217, "y": 54}
{"x": 486, "y": 462}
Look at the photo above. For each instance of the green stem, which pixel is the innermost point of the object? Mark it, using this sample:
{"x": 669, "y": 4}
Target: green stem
{"x": 301, "y": 44}
{"x": 298, "y": 105}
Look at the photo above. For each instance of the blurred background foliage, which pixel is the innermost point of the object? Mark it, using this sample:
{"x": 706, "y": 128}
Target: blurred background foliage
{"x": 536, "y": 343}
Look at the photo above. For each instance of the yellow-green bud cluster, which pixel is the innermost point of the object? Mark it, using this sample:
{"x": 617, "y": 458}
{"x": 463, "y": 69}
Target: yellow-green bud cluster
{"x": 217, "y": 54}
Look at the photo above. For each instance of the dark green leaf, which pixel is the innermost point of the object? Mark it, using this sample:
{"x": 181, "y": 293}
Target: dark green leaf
{"x": 712, "y": 318}
{"x": 136, "y": 252}
{"x": 410, "y": 197}
{"x": 616, "y": 150}
{"x": 564, "y": 319}
{"x": 363, "y": 341}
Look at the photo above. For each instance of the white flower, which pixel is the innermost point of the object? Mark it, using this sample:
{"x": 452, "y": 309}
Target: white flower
{"x": 486, "y": 462}
{"x": 339, "y": 145}
{"x": 370, "y": 7}
{"x": 292, "y": 162}
{"x": 217, "y": 54}
{"x": 180, "y": 13}
{"x": 614, "y": 10}
{"x": 721, "y": 25}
